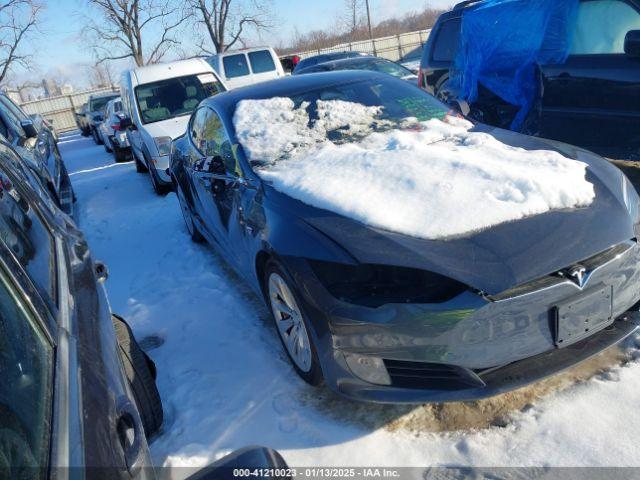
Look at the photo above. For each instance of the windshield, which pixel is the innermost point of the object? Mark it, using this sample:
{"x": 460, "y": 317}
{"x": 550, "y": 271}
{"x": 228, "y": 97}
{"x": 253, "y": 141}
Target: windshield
{"x": 389, "y": 68}
{"x": 277, "y": 128}
{"x": 174, "y": 97}
{"x": 97, "y": 104}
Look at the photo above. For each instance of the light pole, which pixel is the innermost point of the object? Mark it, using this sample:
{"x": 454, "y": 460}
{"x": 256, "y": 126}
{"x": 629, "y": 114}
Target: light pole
{"x": 369, "y": 24}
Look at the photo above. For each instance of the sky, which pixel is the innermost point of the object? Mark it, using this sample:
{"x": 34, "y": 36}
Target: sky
{"x": 60, "y": 47}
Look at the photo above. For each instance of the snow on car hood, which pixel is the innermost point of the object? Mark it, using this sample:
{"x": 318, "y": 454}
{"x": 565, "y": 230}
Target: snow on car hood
{"x": 433, "y": 180}
{"x": 172, "y": 127}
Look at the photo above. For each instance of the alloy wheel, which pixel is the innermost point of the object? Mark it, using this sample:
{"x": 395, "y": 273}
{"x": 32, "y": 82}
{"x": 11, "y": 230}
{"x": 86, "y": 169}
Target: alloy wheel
{"x": 289, "y": 321}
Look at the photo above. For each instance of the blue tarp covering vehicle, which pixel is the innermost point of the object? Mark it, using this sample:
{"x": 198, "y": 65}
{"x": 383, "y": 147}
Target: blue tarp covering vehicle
{"x": 503, "y": 43}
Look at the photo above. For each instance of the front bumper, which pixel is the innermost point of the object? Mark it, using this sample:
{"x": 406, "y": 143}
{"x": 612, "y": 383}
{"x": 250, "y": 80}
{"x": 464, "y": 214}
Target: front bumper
{"x": 474, "y": 348}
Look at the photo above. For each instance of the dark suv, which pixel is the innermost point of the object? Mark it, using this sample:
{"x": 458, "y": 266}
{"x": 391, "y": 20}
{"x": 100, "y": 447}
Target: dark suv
{"x": 591, "y": 100}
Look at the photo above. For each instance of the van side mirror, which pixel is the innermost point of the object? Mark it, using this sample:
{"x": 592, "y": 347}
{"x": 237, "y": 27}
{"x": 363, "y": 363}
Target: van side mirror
{"x": 632, "y": 43}
{"x": 29, "y": 128}
{"x": 126, "y": 123}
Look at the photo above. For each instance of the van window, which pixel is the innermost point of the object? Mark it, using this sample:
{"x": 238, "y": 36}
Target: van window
{"x": 174, "y": 97}
{"x": 446, "y": 46}
{"x": 261, "y": 61}
{"x": 602, "y": 26}
{"x": 235, "y": 66}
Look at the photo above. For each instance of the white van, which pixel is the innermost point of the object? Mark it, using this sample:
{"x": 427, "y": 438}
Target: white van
{"x": 247, "y": 66}
{"x": 158, "y": 101}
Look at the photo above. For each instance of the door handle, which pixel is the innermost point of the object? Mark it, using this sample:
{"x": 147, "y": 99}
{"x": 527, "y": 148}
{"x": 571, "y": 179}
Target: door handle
{"x": 130, "y": 434}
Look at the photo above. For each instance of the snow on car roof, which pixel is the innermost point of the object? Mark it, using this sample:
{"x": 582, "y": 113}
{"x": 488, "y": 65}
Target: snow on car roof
{"x": 435, "y": 180}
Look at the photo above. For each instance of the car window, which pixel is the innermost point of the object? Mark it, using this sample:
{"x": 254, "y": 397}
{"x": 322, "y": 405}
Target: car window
{"x": 235, "y": 66}
{"x": 5, "y": 131}
{"x": 261, "y": 61}
{"x": 197, "y": 127}
{"x": 216, "y": 142}
{"x": 25, "y": 234}
{"x": 446, "y": 45}
{"x": 117, "y": 106}
{"x": 15, "y": 110}
{"x": 12, "y": 117}
{"x": 97, "y": 104}
{"x": 174, "y": 97}
{"x": 602, "y": 26}
{"x": 26, "y": 369}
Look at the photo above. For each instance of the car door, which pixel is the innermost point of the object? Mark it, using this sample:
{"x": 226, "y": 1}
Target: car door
{"x": 220, "y": 184}
{"x": 593, "y": 99}
{"x": 236, "y": 70}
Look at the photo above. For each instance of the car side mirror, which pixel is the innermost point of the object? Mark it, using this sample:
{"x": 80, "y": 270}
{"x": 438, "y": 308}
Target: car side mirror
{"x": 29, "y": 128}
{"x": 216, "y": 165}
{"x": 632, "y": 44}
{"x": 250, "y": 458}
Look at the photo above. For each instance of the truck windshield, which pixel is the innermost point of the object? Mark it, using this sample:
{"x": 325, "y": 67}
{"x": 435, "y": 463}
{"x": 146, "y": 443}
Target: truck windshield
{"x": 174, "y": 97}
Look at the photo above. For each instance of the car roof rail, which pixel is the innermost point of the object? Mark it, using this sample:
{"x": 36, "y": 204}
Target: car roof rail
{"x": 465, "y": 4}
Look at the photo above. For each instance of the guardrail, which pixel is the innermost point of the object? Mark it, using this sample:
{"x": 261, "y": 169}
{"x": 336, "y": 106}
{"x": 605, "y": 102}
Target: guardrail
{"x": 60, "y": 110}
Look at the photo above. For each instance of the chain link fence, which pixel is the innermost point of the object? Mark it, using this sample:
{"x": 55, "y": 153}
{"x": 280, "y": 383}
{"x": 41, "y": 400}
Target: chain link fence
{"x": 61, "y": 110}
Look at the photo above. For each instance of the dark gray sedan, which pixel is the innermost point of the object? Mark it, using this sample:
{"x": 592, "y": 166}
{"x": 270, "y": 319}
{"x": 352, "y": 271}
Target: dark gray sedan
{"x": 385, "y": 315}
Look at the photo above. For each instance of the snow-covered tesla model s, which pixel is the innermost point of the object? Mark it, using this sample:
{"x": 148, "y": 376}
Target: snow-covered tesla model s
{"x": 407, "y": 254}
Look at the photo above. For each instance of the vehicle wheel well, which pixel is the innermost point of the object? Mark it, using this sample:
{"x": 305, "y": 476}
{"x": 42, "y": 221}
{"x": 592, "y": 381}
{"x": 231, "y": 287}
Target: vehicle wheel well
{"x": 261, "y": 264}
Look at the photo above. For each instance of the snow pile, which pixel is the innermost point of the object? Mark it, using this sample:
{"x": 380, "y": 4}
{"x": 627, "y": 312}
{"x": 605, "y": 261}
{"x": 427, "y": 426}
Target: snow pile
{"x": 435, "y": 180}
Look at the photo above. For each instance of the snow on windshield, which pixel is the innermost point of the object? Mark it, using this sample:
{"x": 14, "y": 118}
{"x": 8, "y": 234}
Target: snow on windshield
{"x": 432, "y": 179}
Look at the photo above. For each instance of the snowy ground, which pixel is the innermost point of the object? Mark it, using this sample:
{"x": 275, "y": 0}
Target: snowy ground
{"x": 225, "y": 382}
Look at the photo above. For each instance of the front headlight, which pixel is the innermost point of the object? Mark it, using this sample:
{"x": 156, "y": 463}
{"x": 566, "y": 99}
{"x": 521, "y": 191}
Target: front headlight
{"x": 376, "y": 285}
{"x": 163, "y": 144}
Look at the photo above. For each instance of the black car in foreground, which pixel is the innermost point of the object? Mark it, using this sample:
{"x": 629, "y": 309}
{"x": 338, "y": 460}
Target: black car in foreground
{"x": 78, "y": 397}
{"x": 76, "y": 388}
{"x": 371, "y": 63}
{"x": 393, "y": 317}
{"x": 591, "y": 100}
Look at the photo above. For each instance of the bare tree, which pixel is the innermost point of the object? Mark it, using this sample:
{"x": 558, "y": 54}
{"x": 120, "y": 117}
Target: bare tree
{"x": 18, "y": 20}
{"x": 226, "y": 21}
{"x": 142, "y": 30}
{"x": 352, "y": 19}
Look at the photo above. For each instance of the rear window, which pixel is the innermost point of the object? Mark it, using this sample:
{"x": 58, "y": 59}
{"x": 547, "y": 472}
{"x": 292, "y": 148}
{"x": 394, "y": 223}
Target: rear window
{"x": 446, "y": 46}
{"x": 261, "y": 61}
{"x": 235, "y": 66}
{"x": 96, "y": 104}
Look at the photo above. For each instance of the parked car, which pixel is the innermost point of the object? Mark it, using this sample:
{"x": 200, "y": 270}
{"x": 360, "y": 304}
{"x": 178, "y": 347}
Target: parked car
{"x": 591, "y": 100}
{"x": 324, "y": 57}
{"x": 394, "y": 317}
{"x": 89, "y": 119}
{"x": 157, "y": 101}
{"x": 37, "y": 146}
{"x": 412, "y": 59}
{"x": 114, "y": 138}
{"x": 374, "y": 64}
{"x": 62, "y": 361}
{"x": 238, "y": 68}
{"x": 79, "y": 117}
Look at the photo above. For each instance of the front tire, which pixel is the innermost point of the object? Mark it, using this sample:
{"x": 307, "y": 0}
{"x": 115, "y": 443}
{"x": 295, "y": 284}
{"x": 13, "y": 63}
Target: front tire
{"x": 140, "y": 372}
{"x": 96, "y": 136}
{"x": 291, "y": 323}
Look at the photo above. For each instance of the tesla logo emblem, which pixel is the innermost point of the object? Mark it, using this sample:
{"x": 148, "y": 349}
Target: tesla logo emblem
{"x": 577, "y": 273}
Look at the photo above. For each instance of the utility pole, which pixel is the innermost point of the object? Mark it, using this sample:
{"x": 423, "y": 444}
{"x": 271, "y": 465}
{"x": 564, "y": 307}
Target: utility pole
{"x": 369, "y": 24}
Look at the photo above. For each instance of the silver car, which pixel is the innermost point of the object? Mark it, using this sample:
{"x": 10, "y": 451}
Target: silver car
{"x": 114, "y": 138}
